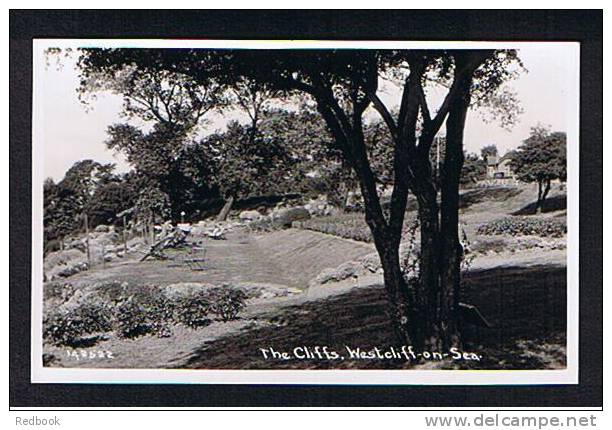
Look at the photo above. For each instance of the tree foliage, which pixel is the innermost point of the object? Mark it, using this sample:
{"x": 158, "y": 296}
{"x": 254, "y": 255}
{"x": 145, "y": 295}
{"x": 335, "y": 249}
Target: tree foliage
{"x": 474, "y": 169}
{"x": 110, "y": 199}
{"x": 66, "y": 202}
{"x": 489, "y": 151}
{"x": 541, "y": 158}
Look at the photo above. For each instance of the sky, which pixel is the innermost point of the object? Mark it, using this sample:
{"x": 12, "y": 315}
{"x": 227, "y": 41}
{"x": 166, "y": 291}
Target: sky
{"x": 70, "y": 131}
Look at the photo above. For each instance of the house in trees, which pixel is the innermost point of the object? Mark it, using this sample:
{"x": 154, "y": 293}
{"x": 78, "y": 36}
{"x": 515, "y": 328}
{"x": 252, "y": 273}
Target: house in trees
{"x": 499, "y": 168}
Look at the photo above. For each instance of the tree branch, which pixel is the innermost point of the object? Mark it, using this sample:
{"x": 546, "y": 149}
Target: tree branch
{"x": 384, "y": 113}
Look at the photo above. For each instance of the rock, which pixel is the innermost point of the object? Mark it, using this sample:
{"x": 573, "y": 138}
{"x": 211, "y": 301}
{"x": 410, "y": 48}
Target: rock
{"x": 249, "y": 216}
{"x": 371, "y": 262}
{"x": 78, "y": 299}
{"x": 287, "y": 216}
{"x": 344, "y": 271}
{"x": 65, "y": 257}
{"x": 77, "y": 244}
{"x": 105, "y": 239}
{"x": 101, "y": 229}
{"x": 267, "y": 295}
{"x": 185, "y": 289}
{"x": 264, "y": 290}
{"x": 184, "y": 226}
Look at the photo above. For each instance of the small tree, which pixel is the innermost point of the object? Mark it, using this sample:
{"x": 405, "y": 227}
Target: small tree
{"x": 541, "y": 158}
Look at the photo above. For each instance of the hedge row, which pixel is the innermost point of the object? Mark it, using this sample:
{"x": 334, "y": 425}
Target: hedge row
{"x": 525, "y": 226}
{"x": 134, "y": 315}
{"x": 348, "y": 226}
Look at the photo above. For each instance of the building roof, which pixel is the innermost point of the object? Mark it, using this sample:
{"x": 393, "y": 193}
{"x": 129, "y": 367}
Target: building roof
{"x": 492, "y": 160}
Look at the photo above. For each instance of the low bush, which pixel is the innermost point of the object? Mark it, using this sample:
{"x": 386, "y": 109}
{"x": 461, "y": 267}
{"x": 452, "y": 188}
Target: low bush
{"x": 227, "y": 302}
{"x": 194, "y": 311}
{"x": 525, "y": 226}
{"x": 497, "y": 245}
{"x": 350, "y": 225}
{"x": 71, "y": 327}
{"x": 142, "y": 314}
{"x": 132, "y": 311}
{"x": 347, "y": 225}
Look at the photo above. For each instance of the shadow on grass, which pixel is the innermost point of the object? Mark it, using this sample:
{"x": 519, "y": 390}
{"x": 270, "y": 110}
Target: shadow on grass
{"x": 479, "y": 195}
{"x": 551, "y": 204}
{"x": 525, "y": 305}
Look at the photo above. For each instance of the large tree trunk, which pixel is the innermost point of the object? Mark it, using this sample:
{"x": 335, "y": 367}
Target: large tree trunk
{"x": 225, "y": 210}
{"x": 425, "y": 309}
{"x": 452, "y": 253}
{"x": 400, "y": 309}
{"x": 429, "y": 265}
{"x": 387, "y": 238}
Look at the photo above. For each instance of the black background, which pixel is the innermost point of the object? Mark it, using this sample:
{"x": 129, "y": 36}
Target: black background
{"x": 528, "y": 25}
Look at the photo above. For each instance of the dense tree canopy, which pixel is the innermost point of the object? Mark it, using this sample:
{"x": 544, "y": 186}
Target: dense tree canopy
{"x": 66, "y": 202}
{"x": 474, "y": 169}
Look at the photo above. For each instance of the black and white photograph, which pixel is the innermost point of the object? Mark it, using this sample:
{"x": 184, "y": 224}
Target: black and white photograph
{"x": 305, "y": 212}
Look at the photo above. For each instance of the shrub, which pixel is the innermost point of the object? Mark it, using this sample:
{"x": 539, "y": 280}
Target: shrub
{"x": 142, "y": 314}
{"x": 227, "y": 302}
{"x": 137, "y": 310}
{"x": 264, "y": 225}
{"x": 70, "y": 327}
{"x": 525, "y": 226}
{"x": 496, "y": 245}
{"x": 193, "y": 311}
{"x": 348, "y": 226}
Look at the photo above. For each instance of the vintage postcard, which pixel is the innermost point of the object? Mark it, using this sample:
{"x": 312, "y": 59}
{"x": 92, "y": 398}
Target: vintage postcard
{"x": 305, "y": 212}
